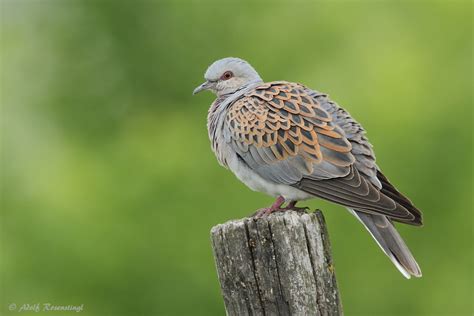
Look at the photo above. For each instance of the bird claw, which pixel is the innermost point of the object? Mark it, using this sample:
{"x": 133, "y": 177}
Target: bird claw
{"x": 263, "y": 212}
{"x": 296, "y": 208}
{"x": 276, "y": 207}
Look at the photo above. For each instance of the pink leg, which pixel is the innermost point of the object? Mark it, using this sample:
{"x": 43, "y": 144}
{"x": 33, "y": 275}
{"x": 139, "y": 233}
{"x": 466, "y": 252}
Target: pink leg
{"x": 276, "y": 206}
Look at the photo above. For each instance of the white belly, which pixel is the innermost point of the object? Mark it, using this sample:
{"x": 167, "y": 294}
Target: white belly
{"x": 257, "y": 183}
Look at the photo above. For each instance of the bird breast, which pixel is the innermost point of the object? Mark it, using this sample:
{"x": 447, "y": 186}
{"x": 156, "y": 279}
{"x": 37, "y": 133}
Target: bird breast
{"x": 230, "y": 160}
{"x": 215, "y": 128}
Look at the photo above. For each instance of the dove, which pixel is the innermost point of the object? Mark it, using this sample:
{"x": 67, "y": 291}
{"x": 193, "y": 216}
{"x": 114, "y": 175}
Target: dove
{"x": 294, "y": 143}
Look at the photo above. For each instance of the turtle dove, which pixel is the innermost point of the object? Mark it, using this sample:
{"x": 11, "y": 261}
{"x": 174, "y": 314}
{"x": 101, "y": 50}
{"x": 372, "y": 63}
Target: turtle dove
{"x": 294, "y": 143}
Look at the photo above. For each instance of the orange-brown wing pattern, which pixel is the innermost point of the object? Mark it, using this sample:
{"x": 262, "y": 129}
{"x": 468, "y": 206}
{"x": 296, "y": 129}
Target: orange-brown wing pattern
{"x": 291, "y": 135}
{"x": 282, "y": 121}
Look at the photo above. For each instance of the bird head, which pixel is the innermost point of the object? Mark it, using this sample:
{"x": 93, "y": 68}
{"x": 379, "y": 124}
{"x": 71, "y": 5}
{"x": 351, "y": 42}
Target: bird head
{"x": 228, "y": 75}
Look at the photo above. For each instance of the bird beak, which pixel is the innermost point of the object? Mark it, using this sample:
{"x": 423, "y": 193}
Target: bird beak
{"x": 205, "y": 86}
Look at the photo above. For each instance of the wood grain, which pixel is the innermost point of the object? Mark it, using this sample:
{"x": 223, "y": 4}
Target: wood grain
{"x": 277, "y": 265}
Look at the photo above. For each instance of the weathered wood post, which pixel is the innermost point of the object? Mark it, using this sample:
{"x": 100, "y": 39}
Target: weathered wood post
{"x": 277, "y": 265}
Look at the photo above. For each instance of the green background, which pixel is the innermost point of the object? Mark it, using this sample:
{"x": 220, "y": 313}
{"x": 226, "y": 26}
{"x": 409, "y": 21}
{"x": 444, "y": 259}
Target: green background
{"x": 109, "y": 187}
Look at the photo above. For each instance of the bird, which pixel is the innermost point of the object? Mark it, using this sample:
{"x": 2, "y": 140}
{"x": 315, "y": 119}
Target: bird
{"x": 294, "y": 143}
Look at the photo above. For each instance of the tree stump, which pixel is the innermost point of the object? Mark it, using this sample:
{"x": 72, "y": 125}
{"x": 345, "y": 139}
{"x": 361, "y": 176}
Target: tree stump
{"x": 276, "y": 265}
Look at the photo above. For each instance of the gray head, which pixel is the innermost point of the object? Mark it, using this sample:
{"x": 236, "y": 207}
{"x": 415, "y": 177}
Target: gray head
{"x": 228, "y": 75}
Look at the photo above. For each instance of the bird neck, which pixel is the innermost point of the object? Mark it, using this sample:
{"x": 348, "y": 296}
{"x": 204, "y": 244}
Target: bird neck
{"x": 245, "y": 87}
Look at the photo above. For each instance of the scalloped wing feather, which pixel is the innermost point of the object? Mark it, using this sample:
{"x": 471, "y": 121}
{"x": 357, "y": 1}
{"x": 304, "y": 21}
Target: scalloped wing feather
{"x": 281, "y": 122}
{"x": 292, "y": 135}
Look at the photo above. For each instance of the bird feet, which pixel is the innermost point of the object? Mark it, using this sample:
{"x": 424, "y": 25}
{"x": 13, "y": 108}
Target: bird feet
{"x": 276, "y": 207}
{"x": 294, "y": 208}
{"x": 291, "y": 207}
{"x": 262, "y": 212}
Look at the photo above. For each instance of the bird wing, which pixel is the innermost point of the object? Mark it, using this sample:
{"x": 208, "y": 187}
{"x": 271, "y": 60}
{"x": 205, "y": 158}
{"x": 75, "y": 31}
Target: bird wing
{"x": 291, "y": 135}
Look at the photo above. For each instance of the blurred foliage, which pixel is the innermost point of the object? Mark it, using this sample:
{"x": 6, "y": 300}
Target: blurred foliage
{"x": 109, "y": 187}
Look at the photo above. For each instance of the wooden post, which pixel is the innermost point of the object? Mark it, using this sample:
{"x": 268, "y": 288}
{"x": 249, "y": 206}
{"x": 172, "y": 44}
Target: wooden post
{"x": 276, "y": 265}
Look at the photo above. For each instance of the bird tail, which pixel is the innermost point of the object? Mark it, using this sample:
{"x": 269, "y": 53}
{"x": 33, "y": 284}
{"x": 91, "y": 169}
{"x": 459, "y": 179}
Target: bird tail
{"x": 387, "y": 237}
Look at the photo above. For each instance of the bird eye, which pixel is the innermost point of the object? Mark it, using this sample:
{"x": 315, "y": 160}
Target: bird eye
{"x": 227, "y": 75}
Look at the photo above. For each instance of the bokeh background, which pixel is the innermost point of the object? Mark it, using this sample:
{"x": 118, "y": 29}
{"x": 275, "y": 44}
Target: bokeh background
{"x": 108, "y": 184}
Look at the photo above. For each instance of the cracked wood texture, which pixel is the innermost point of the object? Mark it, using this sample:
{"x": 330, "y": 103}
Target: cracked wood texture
{"x": 276, "y": 265}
